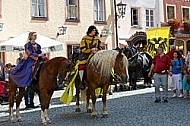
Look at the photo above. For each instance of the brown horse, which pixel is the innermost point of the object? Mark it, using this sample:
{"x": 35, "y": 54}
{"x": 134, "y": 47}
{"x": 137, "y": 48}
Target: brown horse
{"x": 45, "y": 86}
{"x": 98, "y": 74}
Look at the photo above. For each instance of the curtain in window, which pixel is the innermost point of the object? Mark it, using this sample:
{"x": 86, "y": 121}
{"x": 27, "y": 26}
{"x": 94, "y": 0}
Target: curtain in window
{"x": 38, "y": 8}
{"x": 170, "y": 12}
{"x": 99, "y": 10}
{"x": 72, "y": 9}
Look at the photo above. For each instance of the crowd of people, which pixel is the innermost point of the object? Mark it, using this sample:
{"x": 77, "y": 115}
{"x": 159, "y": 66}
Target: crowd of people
{"x": 171, "y": 65}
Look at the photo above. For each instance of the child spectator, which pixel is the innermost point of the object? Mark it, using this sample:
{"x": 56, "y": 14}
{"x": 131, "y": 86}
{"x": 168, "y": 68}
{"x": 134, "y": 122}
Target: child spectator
{"x": 186, "y": 83}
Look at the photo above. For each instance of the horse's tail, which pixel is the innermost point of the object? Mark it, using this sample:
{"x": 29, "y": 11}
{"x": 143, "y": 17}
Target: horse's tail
{"x": 83, "y": 96}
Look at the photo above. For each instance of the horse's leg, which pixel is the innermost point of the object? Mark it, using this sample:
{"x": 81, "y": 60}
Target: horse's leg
{"x": 43, "y": 98}
{"x": 77, "y": 109}
{"x": 12, "y": 92}
{"x": 104, "y": 109}
{"x": 88, "y": 108}
{"x": 49, "y": 95}
{"x": 94, "y": 113}
{"x": 18, "y": 100}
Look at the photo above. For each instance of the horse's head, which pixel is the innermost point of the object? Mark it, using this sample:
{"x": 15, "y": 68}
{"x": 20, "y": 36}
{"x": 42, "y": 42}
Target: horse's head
{"x": 66, "y": 66}
{"x": 128, "y": 52}
{"x": 121, "y": 66}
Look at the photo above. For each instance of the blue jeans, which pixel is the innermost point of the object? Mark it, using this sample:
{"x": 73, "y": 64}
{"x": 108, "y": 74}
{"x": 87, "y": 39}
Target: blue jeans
{"x": 161, "y": 80}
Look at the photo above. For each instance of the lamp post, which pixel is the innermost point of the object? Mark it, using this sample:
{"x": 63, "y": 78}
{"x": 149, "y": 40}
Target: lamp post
{"x": 1, "y": 26}
{"x": 121, "y": 13}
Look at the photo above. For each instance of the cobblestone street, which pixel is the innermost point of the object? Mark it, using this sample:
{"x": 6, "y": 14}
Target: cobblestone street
{"x": 129, "y": 108}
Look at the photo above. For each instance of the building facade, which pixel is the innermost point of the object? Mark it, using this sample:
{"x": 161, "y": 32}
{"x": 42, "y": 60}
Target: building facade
{"x": 140, "y": 15}
{"x": 45, "y": 16}
{"x": 176, "y": 15}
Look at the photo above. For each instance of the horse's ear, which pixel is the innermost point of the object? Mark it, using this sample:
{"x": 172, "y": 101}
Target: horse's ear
{"x": 120, "y": 51}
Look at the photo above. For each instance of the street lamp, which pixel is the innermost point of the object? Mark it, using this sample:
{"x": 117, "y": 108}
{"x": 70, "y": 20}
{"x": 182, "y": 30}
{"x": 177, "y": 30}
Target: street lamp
{"x": 121, "y": 13}
{"x": 62, "y": 30}
{"x": 1, "y": 26}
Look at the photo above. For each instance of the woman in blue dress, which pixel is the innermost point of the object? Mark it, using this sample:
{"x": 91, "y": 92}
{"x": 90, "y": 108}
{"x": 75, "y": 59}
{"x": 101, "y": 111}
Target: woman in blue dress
{"x": 22, "y": 73}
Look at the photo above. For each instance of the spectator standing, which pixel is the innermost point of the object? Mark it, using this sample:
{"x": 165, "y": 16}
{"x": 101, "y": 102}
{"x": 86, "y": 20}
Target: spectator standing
{"x": 45, "y": 57}
{"x": 19, "y": 58}
{"x": 185, "y": 84}
{"x": 160, "y": 66}
{"x": 177, "y": 65}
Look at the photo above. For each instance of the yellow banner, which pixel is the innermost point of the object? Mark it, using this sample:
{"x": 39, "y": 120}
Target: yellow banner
{"x": 157, "y": 37}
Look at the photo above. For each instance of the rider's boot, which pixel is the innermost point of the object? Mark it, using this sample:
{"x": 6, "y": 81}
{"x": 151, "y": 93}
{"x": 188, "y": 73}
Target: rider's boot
{"x": 82, "y": 84}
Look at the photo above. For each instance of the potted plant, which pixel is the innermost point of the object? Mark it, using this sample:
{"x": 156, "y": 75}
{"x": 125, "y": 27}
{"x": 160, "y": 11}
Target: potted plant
{"x": 174, "y": 23}
{"x": 186, "y": 25}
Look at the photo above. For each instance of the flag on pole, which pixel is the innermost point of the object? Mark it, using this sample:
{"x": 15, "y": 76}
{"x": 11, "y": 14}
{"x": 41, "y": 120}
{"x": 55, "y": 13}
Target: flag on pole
{"x": 157, "y": 37}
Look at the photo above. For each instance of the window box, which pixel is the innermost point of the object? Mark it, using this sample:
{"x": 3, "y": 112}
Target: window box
{"x": 175, "y": 24}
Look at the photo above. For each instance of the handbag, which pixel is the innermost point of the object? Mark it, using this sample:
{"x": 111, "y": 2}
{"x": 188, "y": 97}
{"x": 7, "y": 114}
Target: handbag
{"x": 83, "y": 56}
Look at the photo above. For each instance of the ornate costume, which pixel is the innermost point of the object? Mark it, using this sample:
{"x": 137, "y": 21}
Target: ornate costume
{"x": 22, "y": 73}
{"x": 87, "y": 44}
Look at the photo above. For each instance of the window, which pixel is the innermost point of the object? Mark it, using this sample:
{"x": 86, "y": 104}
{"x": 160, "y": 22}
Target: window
{"x": 149, "y": 18}
{"x": 99, "y": 11}
{"x": 0, "y": 8}
{"x": 185, "y": 12}
{"x": 39, "y": 8}
{"x": 170, "y": 12}
{"x": 134, "y": 16}
{"x": 72, "y": 10}
{"x": 179, "y": 44}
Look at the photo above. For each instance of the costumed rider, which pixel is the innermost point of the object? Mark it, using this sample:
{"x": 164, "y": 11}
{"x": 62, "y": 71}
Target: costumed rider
{"x": 22, "y": 74}
{"x": 89, "y": 45}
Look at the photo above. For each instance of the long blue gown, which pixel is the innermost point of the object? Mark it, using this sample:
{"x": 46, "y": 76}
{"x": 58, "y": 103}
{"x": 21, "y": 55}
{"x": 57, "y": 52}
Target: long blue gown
{"x": 21, "y": 75}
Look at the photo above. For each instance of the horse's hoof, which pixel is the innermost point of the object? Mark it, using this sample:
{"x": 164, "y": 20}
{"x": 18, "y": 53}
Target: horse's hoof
{"x": 89, "y": 110}
{"x": 94, "y": 116}
{"x": 105, "y": 115}
{"x": 77, "y": 110}
{"x": 19, "y": 120}
{"x": 48, "y": 121}
{"x": 44, "y": 123}
{"x": 12, "y": 121}
{"x": 110, "y": 93}
{"x": 100, "y": 96}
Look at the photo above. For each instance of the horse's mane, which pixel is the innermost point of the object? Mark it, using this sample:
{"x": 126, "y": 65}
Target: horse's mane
{"x": 104, "y": 61}
{"x": 55, "y": 59}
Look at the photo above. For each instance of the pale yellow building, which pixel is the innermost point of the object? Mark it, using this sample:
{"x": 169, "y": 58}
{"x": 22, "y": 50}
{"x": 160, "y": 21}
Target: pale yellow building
{"x": 45, "y": 16}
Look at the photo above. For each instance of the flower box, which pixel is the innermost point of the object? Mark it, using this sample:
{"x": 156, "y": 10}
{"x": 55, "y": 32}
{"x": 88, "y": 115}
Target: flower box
{"x": 174, "y": 23}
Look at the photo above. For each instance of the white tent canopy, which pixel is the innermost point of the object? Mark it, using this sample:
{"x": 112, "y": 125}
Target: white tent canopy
{"x": 17, "y": 43}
